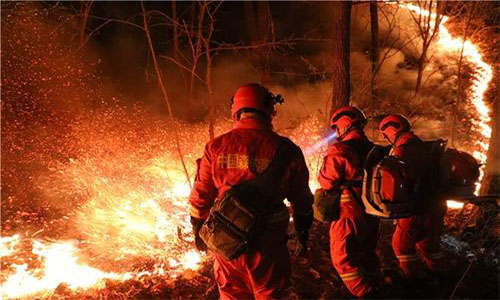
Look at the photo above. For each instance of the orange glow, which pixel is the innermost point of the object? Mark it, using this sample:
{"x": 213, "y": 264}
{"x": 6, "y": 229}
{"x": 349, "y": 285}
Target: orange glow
{"x": 60, "y": 266}
{"x": 136, "y": 207}
{"x": 8, "y": 244}
{"x": 482, "y": 77}
{"x": 452, "y": 204}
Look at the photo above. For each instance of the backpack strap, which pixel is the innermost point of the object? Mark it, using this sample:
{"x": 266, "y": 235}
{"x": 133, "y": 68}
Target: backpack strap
{"x": 279, "y": 163}
{"x": 270, "y": 178}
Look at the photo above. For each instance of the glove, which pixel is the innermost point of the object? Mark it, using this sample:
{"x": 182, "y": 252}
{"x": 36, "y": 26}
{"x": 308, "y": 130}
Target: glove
{"x": 199, "y": 243}
{"x": 302, "y": 225}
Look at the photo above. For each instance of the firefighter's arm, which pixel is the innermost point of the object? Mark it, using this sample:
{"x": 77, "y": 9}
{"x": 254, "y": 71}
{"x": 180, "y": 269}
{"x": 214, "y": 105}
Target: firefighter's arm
{"x": 332, "y": 171}
{"x": 204, "y": 191}
{"x": 301, "y": 200}
{"x": 202, "y": 197}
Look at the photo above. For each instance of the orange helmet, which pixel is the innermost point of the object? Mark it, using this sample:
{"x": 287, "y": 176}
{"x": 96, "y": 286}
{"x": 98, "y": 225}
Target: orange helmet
{"x": 346, "y": 118}
{"x": 255, "y": 96}
{"x": 393, "y": 125}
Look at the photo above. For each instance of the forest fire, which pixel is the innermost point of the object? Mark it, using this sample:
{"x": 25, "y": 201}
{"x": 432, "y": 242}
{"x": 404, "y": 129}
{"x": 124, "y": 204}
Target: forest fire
{"x": 482, "y": 77}
{"x": 130, "y": 217}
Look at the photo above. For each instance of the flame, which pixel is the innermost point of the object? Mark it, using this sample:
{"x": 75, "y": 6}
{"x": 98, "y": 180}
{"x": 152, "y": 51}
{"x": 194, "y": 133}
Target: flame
{"x": 60, "y": 266}
{"x": 482, "y": 77}
{"x": 132, "y": 218}
{"x": 8, "y": 244}
{"x": 191, "y": 260}
{"x": 452, "y": 204}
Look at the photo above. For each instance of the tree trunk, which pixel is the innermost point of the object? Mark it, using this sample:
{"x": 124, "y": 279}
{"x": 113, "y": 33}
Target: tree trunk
{"x": 340, "y": 54}
{"x": 460, "y": 93}
{"x": 374, "y": 58}
{"x": 420, "y": 68}
{"x": 491, "y": 180}
{"x": 427, "y": 33}
{"x": 86, "y": 7}
{"x": 260, "y": 28}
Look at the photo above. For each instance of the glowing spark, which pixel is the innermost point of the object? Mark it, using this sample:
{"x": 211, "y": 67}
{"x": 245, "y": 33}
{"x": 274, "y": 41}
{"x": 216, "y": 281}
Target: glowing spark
{"x": 181, "y": 190}
{"x": 191, "y": 260}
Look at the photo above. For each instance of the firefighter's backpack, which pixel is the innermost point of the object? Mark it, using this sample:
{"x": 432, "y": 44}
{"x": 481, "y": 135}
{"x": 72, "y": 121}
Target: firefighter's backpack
{"x": 389, "y": 189}
{"x": 236, "y": 218}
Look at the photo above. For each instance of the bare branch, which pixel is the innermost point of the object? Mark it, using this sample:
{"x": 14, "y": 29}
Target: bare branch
{"x": 180, "y": 65}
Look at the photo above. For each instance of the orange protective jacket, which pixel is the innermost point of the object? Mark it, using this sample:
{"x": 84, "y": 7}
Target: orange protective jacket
{"x": 264, "y": 271}
{"x": 353, "y": 238}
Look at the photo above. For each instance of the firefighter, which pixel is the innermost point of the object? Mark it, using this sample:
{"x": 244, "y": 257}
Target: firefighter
{"x": 422, "y": 231}
{"x": 263, "y": 272}
{"x": 353, "y": 237}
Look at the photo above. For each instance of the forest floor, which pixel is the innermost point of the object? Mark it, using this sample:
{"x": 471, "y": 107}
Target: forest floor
{"x": 470, "y": 242}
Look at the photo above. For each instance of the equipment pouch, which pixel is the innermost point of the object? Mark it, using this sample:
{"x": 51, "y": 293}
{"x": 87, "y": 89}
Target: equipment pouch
{"x": 326, "y": 207}
{"x": 231, "y": 225}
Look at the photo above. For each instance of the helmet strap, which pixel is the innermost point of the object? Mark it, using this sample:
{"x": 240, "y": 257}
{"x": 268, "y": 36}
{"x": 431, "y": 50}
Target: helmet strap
{"x": 341, "y": 136}
{"x": 398, "y": 135}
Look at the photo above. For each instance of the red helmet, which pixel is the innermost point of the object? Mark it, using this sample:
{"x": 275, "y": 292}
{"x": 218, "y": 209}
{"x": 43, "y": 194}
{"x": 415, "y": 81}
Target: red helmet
{"x": 252, "y": 95}
{"x": 393, "y": 125}
{"x": 346, "y": 118}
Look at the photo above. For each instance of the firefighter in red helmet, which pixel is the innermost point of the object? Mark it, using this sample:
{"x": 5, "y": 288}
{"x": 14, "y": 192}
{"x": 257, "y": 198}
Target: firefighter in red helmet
{"x": 422, "y": 231}
{"x": 353, "y": 237}
{"x": 263, "y": 271}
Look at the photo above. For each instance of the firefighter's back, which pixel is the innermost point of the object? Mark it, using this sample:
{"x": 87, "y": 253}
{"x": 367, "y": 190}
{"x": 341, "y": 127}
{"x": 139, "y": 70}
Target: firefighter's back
{"x": 225, "y": 175}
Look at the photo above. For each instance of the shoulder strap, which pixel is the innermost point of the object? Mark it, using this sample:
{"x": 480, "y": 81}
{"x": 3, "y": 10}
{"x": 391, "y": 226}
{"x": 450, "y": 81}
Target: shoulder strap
{"x": 362, "y": 149}
{"x": 267, "y": 180}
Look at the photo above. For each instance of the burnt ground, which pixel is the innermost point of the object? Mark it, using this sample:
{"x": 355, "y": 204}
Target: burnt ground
{"x": 470, "y": 242}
